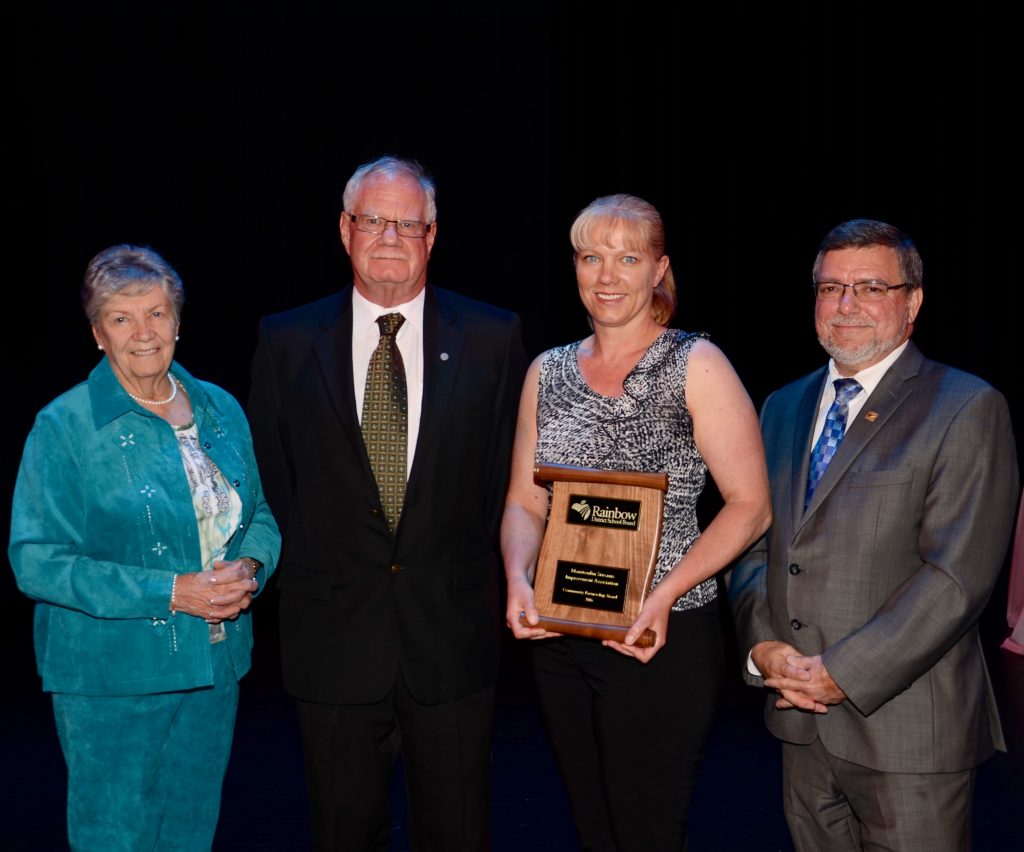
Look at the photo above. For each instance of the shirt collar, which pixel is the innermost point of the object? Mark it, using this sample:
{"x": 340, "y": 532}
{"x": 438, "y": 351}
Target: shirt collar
{"x": 110, "y": 400}
{"x": 365, "y": 312}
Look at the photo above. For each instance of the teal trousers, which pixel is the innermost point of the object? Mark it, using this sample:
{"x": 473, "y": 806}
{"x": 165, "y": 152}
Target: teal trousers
{"x": 145, "y": 771}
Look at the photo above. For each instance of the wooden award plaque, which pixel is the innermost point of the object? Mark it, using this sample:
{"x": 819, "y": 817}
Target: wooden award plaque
{"x": 599, "y": 550}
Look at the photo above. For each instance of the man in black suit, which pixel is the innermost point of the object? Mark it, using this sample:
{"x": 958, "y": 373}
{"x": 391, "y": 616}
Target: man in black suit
{"x": 390, "y": 617}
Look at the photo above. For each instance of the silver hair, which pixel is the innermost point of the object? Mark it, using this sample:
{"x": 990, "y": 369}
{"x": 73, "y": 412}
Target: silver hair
{"x": 131, "y": 270}
{"x": 391, "y": 168}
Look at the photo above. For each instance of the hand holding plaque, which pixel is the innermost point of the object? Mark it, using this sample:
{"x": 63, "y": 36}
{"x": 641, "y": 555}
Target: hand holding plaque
{"x": 599, "y": 550}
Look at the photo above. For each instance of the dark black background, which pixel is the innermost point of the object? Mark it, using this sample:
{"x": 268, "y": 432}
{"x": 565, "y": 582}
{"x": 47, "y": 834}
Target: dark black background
{"x": 222, "y": 133}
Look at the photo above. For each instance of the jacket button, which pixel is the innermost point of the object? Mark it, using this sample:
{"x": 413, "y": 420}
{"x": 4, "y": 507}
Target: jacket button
{"x": 795, "y": 624}
{"x": 238, "y": 483}
{"x": 794, "y": 569}
{"x": 374, "y": 511}
{"x": 395, "y": 568}
{"x": 207, "y": 444}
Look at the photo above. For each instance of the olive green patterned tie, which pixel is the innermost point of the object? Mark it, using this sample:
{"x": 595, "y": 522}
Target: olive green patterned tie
{"x": 385, "y": 421}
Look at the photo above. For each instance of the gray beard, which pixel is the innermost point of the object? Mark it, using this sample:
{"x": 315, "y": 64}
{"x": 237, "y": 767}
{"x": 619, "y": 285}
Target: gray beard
{"x": 873, "y": 352}
{"x": 849, "y": 355}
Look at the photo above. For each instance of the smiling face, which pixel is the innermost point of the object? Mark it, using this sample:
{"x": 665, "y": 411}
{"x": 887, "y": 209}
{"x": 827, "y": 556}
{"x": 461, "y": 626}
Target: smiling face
{"x": 616, "y": 280}
{"x": 856, "y": 333}
{"x": 388, "y": 269}
{"x": 137, "y": 333}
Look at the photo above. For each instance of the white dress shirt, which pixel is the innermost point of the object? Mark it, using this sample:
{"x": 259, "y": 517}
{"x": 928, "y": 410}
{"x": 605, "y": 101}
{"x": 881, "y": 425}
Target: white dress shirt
{"x": 366, "y": 336}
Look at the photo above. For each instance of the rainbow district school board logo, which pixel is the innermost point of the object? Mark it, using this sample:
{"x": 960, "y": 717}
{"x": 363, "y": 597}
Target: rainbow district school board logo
{"x": 603, "y": 512}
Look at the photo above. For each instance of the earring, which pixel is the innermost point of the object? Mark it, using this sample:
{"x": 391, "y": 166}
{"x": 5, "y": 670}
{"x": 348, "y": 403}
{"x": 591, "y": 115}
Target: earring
{"x": 176, "y": 338}
{"x": 98, "y": 346}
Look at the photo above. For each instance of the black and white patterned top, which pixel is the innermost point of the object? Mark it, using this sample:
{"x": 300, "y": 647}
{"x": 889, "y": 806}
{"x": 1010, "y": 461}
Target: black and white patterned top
{"x": 648, "y": 428}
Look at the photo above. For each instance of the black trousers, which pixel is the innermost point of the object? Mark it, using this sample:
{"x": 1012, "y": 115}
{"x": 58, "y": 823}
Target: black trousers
{"x": 628, "y": 737}
{"x": 350, "y": 752}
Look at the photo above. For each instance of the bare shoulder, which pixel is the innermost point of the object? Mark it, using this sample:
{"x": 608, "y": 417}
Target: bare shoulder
{"x": 712, "y": 383}
{"x": 705, "y": 357}
{"x": 533, "y": 371}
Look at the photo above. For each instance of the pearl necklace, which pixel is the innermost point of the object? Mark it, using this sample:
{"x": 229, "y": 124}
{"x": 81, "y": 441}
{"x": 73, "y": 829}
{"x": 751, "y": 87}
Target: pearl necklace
{"x": 174, "y": 393}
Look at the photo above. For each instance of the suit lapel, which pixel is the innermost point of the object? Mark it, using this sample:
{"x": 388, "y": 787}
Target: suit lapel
{"x": 890, "y": 394}
{"x": 442, "y": 348}
{"x": 806, "y": 414}
{"x": 333, "y": 346}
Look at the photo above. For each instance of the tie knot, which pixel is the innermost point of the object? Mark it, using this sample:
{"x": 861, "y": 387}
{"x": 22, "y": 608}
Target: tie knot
{"x": 389, "y": 323}
{"x": 846, "y": 389}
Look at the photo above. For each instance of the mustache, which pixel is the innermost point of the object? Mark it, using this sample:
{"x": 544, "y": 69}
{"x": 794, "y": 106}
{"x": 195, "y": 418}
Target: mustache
{"x": 860, "y": 322}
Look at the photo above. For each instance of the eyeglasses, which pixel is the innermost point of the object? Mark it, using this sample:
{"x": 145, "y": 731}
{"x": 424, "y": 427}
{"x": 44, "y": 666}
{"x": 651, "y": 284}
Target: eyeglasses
{"x": 378, "y": 225}
{"x": 865, "y": 291}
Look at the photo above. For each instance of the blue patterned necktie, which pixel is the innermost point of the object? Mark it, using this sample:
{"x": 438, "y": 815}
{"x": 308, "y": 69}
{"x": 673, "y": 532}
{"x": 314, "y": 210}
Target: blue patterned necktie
{"x": 832, "y": 434}
{"x": 385, "y": 418}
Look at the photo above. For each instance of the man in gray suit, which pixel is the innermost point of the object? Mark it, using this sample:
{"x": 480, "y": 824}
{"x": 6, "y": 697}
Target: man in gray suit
{"x": 860, "y": 606}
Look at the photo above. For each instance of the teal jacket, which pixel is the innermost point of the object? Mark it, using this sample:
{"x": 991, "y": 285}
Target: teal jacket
{"x": 102, "y": 520}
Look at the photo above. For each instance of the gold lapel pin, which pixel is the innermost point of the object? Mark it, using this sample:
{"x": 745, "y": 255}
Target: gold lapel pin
{"x": 871, "y": 416}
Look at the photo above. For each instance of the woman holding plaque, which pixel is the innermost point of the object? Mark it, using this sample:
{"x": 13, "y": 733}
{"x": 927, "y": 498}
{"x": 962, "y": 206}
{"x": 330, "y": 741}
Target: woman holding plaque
{"x": 140, "y": 530}
{"x": 627, "y": 723}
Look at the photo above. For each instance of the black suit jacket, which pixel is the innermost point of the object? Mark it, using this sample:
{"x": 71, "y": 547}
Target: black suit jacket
{"x": 356, "y": 601}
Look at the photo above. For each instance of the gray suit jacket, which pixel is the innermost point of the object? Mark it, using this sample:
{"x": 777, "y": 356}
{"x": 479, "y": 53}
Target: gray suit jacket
{"x": 887, "y": 572}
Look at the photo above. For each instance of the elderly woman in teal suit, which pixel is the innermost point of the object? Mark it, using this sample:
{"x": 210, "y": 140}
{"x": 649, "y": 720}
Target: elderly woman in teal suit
{"x": 140, "y": 530}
